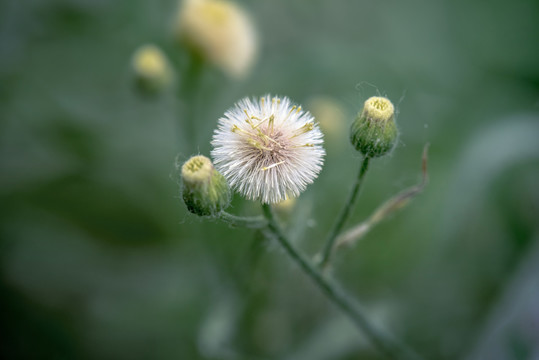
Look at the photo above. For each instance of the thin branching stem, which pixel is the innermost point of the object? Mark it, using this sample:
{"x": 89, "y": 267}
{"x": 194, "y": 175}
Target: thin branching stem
{"x": 397, "y": 202}
{"x": 386, "y": 345}
{"x": 345, "y": 213}
{"x": 251, "y": 222}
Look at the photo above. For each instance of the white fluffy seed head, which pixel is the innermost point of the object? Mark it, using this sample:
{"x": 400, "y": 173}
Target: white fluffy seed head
{"x": 268, "y": 149}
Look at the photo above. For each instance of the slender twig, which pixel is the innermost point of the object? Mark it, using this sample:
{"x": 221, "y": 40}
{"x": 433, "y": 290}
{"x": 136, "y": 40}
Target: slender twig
{"x": 397, "y": 202}
{"x": 251, "y": 222}
{"x": 345, "y": 213}
{"x": 387, "y": 346}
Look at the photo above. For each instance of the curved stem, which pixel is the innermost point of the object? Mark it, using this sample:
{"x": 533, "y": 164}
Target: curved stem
{"x": 390, "y": 348}
{"x": 345, "y": 213}
{"x": 252, "y": 222}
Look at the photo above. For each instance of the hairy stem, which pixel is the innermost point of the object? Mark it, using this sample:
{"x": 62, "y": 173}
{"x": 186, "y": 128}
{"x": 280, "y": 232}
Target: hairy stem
{"x": 251, "y": 222}
{"x": 345, "y": 213}
{"x": 384, "y": 344}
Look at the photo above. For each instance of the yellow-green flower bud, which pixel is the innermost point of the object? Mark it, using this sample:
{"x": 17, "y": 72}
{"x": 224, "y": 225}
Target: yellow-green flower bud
{"x": 285, "y": 207}
{"x": 374, "y": 132}
{"x": 152, "y": 70}
{"x": 220, "y": 32}
{"x": 205, "y": 191}
{"x": 330, "y": 114}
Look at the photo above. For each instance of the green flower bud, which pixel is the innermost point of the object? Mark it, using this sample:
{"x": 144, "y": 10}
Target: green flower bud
{"x": 205, "y": 191}
{"x": 374, "y": 132}
{"x": 152, "y": 71}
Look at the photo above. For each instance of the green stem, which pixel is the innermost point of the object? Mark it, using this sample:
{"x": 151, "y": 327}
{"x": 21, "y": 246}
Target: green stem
{"x": 189, "y": 94}
{"x": 345, "y": 213}
{"x": 397, "y": 202}
{"x": 389, "y": 347}
{"x": 251, "y": 222}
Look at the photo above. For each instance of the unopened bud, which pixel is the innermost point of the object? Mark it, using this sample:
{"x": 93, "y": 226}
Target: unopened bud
{"x": 220, "y": 32}
{"x": 285, "y": 207}
{"x": 374, "y": 132}
{"x": 152, "y": 70}
{"x": 205, "y": 191}
{"x": 330, "y": 114}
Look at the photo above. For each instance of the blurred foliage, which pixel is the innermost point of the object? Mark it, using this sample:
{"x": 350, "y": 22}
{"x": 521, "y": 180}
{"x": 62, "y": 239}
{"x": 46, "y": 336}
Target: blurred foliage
{"x": 100, "y": 259}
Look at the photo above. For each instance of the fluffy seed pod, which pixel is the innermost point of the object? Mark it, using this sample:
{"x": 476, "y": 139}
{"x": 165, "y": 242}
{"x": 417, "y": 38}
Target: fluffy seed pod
{"x": 268, "y": 148}
{"x": 374, "y": 132}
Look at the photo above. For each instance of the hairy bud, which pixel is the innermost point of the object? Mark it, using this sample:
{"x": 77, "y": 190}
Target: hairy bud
{"x": 374, "y": 132}
{"x": 205, "y": 191}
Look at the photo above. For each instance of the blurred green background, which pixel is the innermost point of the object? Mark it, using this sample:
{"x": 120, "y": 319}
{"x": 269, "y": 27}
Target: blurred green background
{"x": 101, "y": 260}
